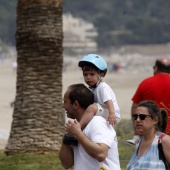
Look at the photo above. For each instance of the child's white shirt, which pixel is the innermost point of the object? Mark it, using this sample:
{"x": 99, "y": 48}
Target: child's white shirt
{"x": 103, "y": 93}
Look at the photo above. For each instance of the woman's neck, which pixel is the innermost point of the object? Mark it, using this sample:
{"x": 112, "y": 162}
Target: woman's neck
{"x": 149, "y": 136}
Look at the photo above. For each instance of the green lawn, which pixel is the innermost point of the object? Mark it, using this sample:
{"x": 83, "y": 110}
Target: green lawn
{"x": 45, "y": 162}
{"x": 48, "y": 161}
{"x": 51, "y": 161}
{"x": 30, "y": 162}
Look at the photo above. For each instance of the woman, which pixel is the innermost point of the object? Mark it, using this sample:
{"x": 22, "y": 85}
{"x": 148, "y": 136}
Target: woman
{"x": 150, "y": 122}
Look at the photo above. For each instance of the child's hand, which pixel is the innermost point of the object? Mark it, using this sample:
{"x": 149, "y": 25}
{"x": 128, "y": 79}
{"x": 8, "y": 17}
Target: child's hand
{"x": 112, "y": 119}
{"x": 73, "y": 127}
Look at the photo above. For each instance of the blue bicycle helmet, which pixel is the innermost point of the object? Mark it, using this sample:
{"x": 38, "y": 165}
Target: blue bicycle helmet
{"x": 96, "y": 60}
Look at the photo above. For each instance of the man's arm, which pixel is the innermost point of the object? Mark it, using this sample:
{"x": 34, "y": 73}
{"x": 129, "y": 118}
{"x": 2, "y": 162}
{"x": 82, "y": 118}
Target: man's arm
{"x": 96, "y": 150}
{"x": 66, "y": 156}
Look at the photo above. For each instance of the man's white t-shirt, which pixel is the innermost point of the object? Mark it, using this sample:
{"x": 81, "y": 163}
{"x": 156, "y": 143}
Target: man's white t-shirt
{"x": 98, "y": 130}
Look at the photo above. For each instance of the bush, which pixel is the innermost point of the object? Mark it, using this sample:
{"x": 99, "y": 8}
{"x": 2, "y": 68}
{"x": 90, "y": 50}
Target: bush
{"x": 124, "y": 131}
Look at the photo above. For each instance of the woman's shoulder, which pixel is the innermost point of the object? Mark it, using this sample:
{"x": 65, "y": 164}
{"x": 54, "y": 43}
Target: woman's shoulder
{"x": 165, "y": 139}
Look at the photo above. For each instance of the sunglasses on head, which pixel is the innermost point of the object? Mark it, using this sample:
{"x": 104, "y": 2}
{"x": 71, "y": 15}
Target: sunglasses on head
{"x": 141, "y": 116}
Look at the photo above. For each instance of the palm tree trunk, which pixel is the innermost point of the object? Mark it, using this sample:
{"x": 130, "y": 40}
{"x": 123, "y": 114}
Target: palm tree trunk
{"x": 38, "y": 118}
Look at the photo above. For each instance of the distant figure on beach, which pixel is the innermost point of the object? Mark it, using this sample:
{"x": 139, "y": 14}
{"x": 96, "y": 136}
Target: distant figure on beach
{"x": 114, "y": 67}
{"x": 14, "y": 66}
{"x": 155, "y": 88}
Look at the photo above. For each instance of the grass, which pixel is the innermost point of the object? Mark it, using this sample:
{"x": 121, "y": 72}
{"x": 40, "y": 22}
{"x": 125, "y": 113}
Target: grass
{"x": 48, "y": 161}
{"x": 30, "y": 162}
{"x": 52, "y": 162}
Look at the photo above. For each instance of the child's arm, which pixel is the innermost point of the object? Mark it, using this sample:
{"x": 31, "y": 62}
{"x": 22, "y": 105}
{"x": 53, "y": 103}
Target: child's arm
{"x": 88, "y": 115}
{"x": 111, "y": 118}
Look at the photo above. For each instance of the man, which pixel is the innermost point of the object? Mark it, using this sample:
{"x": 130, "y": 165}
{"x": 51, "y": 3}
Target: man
{"x": 97, "y": 144}
{"x": 155, "y": 88}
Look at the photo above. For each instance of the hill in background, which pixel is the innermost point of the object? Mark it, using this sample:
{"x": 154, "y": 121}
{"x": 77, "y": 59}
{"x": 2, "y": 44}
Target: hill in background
{"x": 117, "y": 22}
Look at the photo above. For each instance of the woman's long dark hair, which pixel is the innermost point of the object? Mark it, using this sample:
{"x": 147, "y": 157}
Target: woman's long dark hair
{"x": 155, "y": 111}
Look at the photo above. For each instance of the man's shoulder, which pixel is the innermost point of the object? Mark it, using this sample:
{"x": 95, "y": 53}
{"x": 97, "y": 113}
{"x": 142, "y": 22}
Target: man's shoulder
{"x": 99, "y": 124}
{"x": 99, "y": 118}
{"x": 148, "y": 79}
{"x": 98, "y": 121}
{"x": 152, "y": 78}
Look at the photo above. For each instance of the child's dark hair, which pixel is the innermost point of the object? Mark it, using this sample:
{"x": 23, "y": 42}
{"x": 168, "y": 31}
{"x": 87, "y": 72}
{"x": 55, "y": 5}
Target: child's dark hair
{"x": 155, "y": 111}
{"x": 90, "y": 67}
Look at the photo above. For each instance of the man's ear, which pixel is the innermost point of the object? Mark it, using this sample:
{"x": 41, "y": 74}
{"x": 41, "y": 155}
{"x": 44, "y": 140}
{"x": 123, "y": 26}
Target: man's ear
{"x": 155, "y": 68}
{"x": 76, "y": 104}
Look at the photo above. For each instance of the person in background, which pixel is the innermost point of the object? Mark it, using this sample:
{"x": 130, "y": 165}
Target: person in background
{"x": 97, "y": 144}
{"x": 94, "y": 70}
{"x": 14, "y": 68}
{"x": 152, "y": 150}
{"x": 155, "y": 88}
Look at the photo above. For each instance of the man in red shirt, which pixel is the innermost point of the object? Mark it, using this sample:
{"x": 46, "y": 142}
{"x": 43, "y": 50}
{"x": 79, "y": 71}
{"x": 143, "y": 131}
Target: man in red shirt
{"x": 155, "y": 88}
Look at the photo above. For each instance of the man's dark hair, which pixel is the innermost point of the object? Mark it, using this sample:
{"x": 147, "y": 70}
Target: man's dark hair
{"x": 82, "y": 94}
{"x": 162, "y": 67}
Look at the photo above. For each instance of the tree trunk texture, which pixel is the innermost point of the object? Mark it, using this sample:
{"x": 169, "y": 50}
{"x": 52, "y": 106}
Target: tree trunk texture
{"x": 38, "y": 117}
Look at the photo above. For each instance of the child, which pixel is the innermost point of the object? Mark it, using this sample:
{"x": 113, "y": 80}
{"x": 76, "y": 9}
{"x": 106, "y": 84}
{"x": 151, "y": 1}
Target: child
{"x": 94, "y": 69}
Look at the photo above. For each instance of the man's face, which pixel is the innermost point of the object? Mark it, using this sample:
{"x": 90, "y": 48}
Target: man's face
{"x": 69, "y": 108}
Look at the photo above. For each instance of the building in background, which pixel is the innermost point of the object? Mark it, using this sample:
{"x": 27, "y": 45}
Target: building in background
{"x": 79, "y": 35}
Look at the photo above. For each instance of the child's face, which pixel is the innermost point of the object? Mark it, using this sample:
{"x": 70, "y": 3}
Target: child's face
{"x": 91, "y": 77}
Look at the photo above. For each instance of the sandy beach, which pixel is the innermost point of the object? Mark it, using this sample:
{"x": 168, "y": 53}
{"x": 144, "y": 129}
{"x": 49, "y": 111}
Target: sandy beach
{"x": 124, "y": 83}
